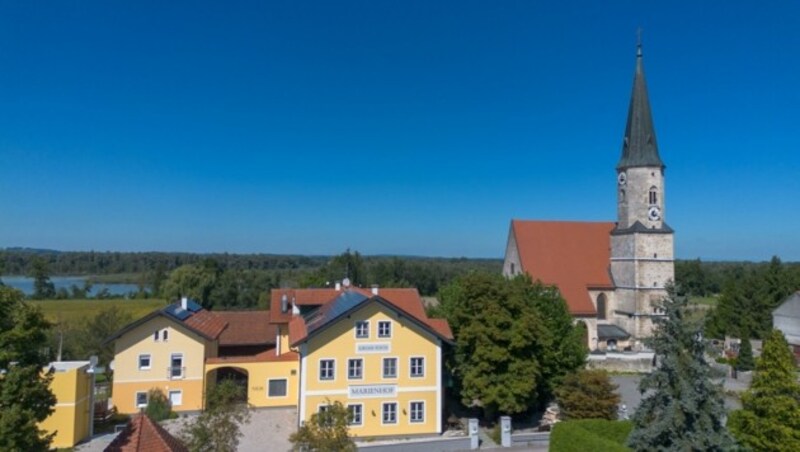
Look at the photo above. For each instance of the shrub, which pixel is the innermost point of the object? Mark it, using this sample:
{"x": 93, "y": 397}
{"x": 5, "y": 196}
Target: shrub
{"x": 590, "y": 435}
{"x": 588, "y": 394}
{"x": 158, "y": 407}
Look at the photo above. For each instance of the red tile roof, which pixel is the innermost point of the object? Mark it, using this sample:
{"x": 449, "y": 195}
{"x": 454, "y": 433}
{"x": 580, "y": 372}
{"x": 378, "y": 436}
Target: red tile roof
{"x": 404, "y": 299}
{"x": 206, "y": 322}
{"x": 246, "y": 328}
{"x": 142, "y": 434}
{"x": 574, "y": 256}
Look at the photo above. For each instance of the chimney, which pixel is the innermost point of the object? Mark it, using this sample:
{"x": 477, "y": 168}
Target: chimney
{"x": 185, "y": 303}
{"x": 284, "y": 303}
{"x": 338, "y": 286}
{"x": 375, "y": 289}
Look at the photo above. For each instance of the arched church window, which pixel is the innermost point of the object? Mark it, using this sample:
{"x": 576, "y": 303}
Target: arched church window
{"x": 653, "y": 195}
{"x": 622, "y": 195}
{"x": 601, "y": 306}
{"x": 512, "y": 269}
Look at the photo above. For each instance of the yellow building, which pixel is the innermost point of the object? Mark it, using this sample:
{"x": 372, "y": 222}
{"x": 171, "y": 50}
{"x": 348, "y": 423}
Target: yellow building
{"x": 71, "y": 419}
{"x": 375, "y": 351}
{"x": 182, "y": 349}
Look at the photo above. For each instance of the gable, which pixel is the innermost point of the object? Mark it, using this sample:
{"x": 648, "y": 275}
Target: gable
{"x": 574, "y": 256}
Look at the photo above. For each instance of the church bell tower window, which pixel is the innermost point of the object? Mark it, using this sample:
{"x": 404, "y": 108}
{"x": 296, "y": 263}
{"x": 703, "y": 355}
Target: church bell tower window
{"x": 653, "y": 196}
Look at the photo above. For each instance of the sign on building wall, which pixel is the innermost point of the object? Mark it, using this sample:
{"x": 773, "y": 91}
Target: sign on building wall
{"x": 373, "y": 347}
{"x": 370, "y": 391}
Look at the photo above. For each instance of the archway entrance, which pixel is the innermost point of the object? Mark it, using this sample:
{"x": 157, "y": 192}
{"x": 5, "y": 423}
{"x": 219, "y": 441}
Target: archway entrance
{"x": 237, "y": 375}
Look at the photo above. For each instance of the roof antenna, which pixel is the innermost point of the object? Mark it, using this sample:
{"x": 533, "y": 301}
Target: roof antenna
{"x": 639, "y": 42}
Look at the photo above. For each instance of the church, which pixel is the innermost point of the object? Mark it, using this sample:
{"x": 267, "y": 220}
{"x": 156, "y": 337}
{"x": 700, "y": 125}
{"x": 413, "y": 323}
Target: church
{"x": 611, "y": 274}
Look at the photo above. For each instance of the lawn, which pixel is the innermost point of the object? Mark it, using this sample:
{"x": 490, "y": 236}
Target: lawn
{"x": 71, "y": 311}
{"x": 590, "y": 435}
{"x": 704, "y": 301}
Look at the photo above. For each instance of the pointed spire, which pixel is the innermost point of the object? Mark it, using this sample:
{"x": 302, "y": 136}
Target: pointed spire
{"x": 639, "y": 147}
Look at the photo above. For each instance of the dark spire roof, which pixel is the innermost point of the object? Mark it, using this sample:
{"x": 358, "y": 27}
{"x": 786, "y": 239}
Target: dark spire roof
{"x": 639, "y": 148}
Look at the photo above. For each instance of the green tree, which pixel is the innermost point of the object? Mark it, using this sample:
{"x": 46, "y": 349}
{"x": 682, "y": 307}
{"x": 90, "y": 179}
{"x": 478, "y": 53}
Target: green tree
{"x": 745, "y": 361}
{"x": 326, "y": 431}
{"x": 158, "y": 406}
{"x": 42, "y": 286}
{"x": 218, "y": 427}
{"x": 91, "y": 334}
{"x": 194, "y": 281}
{"x": 25, "y": 396}
{"x": 507, "y": 355}
{"x": 770, "y": 414}
{"x": 682, "y": 409}
{"x": 588, "y": 394}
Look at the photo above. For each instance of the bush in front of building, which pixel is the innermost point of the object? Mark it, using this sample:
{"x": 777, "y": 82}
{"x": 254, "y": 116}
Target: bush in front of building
{"x": 590, "y": 435}
{"x": 326, "y": 431}
{"x": 588, "y": 394}
{"x": 158, "y": 406}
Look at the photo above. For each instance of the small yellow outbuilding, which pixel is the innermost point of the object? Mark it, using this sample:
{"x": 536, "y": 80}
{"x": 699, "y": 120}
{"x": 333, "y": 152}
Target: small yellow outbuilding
{"x": 72, "y": 385}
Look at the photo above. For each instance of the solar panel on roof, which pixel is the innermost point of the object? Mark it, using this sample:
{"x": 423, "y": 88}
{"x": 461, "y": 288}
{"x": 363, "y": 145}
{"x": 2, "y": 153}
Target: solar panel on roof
{"x": 193, "y": 305}
{"x": 338, "y": 306}
{"x": 176, "y": 311}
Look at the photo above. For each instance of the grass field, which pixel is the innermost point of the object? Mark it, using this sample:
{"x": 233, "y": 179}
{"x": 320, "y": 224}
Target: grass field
{"x": 75, "y": 310}
{"x": 704, "y": 301}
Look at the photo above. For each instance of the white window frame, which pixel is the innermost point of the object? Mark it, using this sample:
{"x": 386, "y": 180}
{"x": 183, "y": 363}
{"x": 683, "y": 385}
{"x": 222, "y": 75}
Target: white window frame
{"x": 383, "y": 411}
{"x": 361, "y": 413}
{"x": 286, "y": 387}
{"x": 411, "y": 367}
{"x": 358, "y": 323}
{"x": 384, "y": 322}
{"x": 172, "y": 356}
{"x": 396, "y": 367}
{"x": 333, "y": 370}
{"x": 169, "y": 396}
{"x": 156, "y": 335}
{"x": 361, "y": 376}
{"x": 322, "y": 407}
{"x": 136, "y": 399}
{"x": 165, "y": 335}
{"x": 411, "y": 412}
{"x": 149, "y": 361}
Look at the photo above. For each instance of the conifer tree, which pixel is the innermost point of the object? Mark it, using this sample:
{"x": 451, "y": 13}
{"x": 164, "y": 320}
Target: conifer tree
{"x": 745, "y": 360}
{"x": 682, "y": 409}
{"x": 770, "y": 414}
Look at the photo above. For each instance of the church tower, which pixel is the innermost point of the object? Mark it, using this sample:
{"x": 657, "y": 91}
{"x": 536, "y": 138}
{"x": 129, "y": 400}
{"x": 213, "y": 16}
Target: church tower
{"x": 642, "y": 242}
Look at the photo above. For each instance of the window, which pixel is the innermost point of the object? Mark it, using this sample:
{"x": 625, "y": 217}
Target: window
{"x": 144, "y": 362}
{"x": 155, "y": 335}
{"x": 276, "y": 388}
{"x": 389, "y": 367}
{"x": 601, "y": 306}
{"x": 653, "y": 198}
{"x": 513, "y": 269}
{"x": 176, "y": 366}
{"x": 417, "y": 410}
{"x": 326, "y": 369}
{"x": 324, "y": 417}
{"x": 141, "y": 399}
{"x": 175, "y": 398}
{"x": 389, "y": 413}
{"x": 384, "y": 328}
{"x": 355, "y": 368}
{"x": 362, "y": 329}
{"x": 164, "y": 335}
{"x": 418, "y": 367}
{"x": 356, "y": 414}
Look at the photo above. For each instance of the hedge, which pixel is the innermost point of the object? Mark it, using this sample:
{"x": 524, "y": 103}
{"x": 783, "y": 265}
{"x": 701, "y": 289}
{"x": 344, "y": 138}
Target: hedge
{"x": 590, "y": 435}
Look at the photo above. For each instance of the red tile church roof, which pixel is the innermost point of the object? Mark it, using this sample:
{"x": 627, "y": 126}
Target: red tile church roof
{"x": 574, "y": 256}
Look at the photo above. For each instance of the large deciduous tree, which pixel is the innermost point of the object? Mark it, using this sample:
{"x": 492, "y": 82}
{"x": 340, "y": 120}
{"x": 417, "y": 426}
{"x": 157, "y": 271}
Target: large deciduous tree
{"x": 770, "y": 414}
{"x": 588, "y": 394}
{"x": 682, "y": 408}
{"x": 25, "y": 396}
{"x": 514, "y": 340}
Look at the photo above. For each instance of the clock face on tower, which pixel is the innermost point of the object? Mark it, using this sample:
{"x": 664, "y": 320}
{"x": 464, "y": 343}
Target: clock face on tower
{"x": 654, "y": 213}
{"x": 622, "y": 178}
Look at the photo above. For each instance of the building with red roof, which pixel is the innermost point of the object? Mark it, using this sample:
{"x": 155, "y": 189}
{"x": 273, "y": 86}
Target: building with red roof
{"x": 611, "y": 275}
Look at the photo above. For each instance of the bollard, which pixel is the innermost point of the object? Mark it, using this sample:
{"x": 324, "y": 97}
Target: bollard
{"x": 505, "y": 431}
{"x": 474, "y": 441}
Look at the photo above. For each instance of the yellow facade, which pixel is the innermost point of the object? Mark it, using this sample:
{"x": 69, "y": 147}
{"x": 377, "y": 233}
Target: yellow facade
{"x": 72, "y": 387}
{"x": 259, "y": 375}
{"x": 183, "y": 384}
{"x": 407, "y": 340}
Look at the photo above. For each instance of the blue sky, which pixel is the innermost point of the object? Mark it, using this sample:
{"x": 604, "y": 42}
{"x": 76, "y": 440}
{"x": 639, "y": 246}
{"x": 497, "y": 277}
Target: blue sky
{"x": 412, "y": 127}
